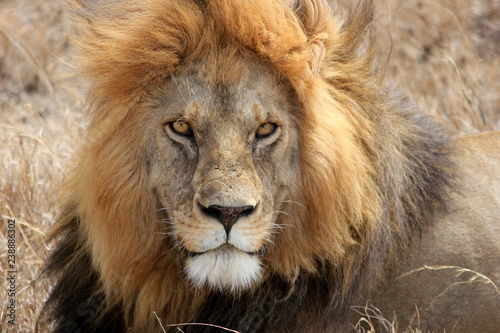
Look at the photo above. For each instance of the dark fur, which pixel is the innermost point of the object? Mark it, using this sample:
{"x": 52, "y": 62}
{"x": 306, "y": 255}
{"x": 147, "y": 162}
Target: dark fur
{"x": 80, "y": 303}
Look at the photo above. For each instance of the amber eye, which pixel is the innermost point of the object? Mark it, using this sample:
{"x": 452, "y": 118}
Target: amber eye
{"x": 265, "y": 130}
{"x": 181, "y": 128}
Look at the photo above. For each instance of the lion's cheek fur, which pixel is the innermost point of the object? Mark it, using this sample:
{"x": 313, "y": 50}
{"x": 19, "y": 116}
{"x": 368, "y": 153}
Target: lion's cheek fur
{"x": 118, "y": 227}
{"x": 340, "y": 211}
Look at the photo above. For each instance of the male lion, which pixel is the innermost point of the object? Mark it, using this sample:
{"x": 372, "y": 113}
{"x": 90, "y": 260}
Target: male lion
{"x": 246, "y": 167}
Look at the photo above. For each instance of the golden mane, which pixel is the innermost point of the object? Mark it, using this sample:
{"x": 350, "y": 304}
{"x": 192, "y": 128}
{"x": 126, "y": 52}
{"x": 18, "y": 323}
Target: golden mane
{"x": 370, "y": 170}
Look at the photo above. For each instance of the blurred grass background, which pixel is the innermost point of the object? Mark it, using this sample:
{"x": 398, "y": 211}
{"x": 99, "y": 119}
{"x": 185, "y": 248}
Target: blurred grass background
{"x": 445, "y": 53}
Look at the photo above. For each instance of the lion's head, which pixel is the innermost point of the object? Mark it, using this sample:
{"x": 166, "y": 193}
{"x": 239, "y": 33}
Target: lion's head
{"x": 222, "y": 158}
{"x": 236, "y": 148}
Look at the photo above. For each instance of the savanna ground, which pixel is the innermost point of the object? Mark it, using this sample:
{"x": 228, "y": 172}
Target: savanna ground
{"x": 445, "y": 53}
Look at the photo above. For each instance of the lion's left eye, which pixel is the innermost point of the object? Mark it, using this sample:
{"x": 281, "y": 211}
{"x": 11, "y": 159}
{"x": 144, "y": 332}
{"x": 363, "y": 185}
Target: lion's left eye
{"x": 180, "y": 128}
{"x": 265, "y": 130}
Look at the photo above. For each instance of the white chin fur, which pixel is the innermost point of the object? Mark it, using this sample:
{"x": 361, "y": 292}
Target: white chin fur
{"x": 224, "y": 269}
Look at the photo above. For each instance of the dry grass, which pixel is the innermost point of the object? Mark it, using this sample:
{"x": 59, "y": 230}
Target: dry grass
{"x": 444, "y": 52}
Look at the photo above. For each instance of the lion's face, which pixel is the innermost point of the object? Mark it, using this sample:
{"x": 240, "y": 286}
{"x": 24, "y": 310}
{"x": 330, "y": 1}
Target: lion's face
{"x": 225, "y": 146}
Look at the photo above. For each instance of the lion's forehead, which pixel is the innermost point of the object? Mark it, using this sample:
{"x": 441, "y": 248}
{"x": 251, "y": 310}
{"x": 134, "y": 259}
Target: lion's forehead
{"x": 249, "y": 92}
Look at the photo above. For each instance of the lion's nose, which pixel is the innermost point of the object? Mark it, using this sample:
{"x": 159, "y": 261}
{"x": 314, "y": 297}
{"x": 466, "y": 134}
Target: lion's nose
{"x": 228, "y": 216}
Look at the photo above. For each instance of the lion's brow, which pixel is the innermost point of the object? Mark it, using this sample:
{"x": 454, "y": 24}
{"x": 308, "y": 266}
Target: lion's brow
{"x": 193, "y": 111}
{"x": 260, "y": 115}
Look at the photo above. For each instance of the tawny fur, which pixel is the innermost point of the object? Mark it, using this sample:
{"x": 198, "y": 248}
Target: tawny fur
{"x": 372, "y": 169}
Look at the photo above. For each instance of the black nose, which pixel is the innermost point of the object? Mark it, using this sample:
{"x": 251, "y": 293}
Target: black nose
{"x": 228, "y": 216}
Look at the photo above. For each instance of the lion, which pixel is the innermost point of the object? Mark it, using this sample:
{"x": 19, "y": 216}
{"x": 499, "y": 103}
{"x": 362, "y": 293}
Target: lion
{"x": 247, "y": 167}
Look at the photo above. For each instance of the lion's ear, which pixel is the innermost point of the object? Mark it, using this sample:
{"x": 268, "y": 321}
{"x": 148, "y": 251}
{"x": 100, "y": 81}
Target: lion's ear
{"x": 335, "y": 32}
{"x": 318, "y": 52}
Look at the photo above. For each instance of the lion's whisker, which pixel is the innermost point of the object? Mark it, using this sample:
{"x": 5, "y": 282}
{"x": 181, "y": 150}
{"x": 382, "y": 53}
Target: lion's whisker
{"x": 269, "y": 240}
{"x": 168, "y": 220}
{"x": 282, "y": 225}
{"x": 276, "y": 226}
{"x": 163, "y": 235}
{"x": 161, "y": 209}
{"x": 289, "y": 202}
{"x": 281, "y": 212}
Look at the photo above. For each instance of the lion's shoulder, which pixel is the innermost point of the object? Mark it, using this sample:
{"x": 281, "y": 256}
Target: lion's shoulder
{"x": 477, "y": 158}
{"x": 445, "y": 262}
{"x": 486, "y": 142}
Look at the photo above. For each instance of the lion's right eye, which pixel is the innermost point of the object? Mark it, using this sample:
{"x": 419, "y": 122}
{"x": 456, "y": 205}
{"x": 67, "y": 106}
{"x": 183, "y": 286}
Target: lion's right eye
{"x": 265, "y": 130}
{"x": 180, "y": 127}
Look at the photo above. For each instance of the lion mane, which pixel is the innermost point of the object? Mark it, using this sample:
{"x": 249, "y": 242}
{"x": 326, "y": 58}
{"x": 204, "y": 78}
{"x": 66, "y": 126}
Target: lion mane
{"x": 371, "y": 170}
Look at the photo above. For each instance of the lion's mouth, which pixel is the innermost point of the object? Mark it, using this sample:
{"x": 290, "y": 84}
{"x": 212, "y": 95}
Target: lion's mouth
{"x": 224, "y": 248}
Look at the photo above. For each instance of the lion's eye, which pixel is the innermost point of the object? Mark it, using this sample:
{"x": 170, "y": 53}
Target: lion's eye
{"x": 181, "y": 128}
{"x": 265, "y": 130}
